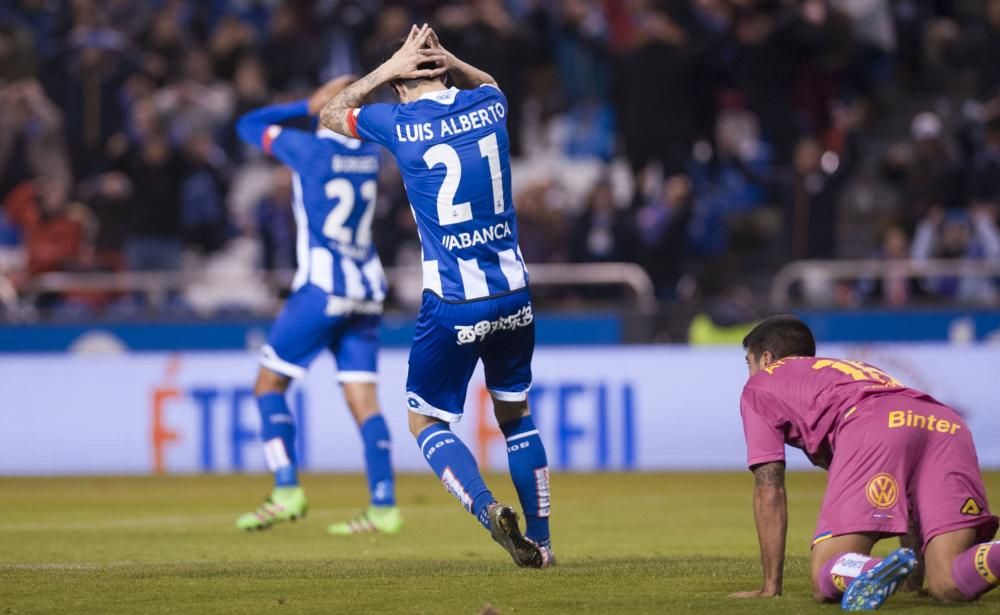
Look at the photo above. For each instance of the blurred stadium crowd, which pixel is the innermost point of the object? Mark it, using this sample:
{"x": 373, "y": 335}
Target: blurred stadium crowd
{"x": 710, "y": 141}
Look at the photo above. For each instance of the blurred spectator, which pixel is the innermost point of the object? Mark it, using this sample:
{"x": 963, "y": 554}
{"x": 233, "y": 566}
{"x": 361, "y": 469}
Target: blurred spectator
{"x": 17, "y": 58}
{"x": 658, "y": 125}
{"x": 54, "y": 233}
{"x": 250, "y": 91}
{"x": 957, "y": 234}
{"x": 276, "y": 222}
{"x": 810, "y": 208}
{"x": 735, "y": 178}
{"x": 927, "y": 173}
{"x": 770, "y": 44}
{"x": 662, "y": 232}
{"x": 203, "y": 206}
{"x": 84, "y": 79}
{"x": 31, "y": 145}
{"x": 602, "y": 231}
{"x": 232, "y": 40}
{"x": 813, "y": 198}
{"x": 290, "y": 52}
{"x": 582, "y": 57}
{"x": 984, "y": 170}
{"x": 977, "y": 46}
{"x": 894, "y": 288}
{"x": 111, "y": 199}
{"x": 540, "y": 228}
{"x": 580, "y": 45}
{"x": 874, "y": 30}
{"x": 198, "y": 102}
{"x": 391, "y": 24}
{"x": 156, "y": 172}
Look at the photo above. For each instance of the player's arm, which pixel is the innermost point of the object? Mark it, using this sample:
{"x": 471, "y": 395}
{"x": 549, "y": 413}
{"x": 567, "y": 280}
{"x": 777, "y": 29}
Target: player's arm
{"x": 766, "y": 459}
{"x": 261, "y": 128}
{"x": 254, "y": 127}
{"x": 770, "y": 510}
{"x": 466, "y": 76}
{"x": 340, "y": 114}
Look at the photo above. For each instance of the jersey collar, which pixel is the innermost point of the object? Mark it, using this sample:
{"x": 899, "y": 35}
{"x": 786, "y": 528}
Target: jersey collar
{"x": 444, "y": 97}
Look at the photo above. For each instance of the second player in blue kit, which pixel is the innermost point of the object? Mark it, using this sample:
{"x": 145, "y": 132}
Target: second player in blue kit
{"x": 453, "y": 151}
{"x": 336, "y": 305}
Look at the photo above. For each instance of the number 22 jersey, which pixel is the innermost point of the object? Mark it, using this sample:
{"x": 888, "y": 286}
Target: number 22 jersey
{"x": 453, "y": 152}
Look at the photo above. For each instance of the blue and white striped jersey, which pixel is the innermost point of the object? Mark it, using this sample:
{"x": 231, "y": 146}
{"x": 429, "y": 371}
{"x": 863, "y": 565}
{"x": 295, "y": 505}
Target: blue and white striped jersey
{"x": 335, "y": 186}
{"x": 454, "y": 156}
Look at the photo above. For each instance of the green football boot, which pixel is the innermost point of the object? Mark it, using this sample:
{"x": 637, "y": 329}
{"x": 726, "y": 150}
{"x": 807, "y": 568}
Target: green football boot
{"x": 284, "y": 504}
{"x": 377, "y": 519}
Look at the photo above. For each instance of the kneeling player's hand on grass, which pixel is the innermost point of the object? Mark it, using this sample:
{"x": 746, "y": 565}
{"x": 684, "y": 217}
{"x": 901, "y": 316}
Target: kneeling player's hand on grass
{"x": 758, "y": 593}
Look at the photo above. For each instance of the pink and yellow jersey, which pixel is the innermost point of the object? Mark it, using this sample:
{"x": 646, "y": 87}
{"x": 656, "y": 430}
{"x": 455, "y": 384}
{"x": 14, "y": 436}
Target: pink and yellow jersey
{"x": 802, "y": 401}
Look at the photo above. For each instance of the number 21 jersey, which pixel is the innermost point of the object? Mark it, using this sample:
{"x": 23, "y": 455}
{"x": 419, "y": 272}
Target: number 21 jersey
{"x": 454, "y": 155}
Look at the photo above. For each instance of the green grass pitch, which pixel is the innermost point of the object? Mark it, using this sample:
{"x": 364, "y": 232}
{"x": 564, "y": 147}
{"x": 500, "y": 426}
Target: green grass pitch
{"x": 627, "y": 543}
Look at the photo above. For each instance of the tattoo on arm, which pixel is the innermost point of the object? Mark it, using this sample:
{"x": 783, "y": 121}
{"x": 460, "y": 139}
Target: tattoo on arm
{"x": 771, "y": 517}
{"x": 770, "y": 474}
{"x": 334, "y": 114}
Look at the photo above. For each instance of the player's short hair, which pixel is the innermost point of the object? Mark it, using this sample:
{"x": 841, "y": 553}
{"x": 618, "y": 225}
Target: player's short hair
{"x": 783, "y": 336}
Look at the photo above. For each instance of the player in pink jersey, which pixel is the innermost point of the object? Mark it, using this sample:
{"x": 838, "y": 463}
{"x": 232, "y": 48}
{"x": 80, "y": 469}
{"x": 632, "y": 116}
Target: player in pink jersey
{"x": 900, "y": 462}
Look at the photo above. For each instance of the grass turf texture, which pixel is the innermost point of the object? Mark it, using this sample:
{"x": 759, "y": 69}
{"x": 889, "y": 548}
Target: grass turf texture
{"x": 636, "y": 543}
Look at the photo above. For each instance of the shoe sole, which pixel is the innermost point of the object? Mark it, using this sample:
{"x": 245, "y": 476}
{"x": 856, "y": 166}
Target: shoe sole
{"x": 883, "y": 581}
{"x": 503, "y": 528}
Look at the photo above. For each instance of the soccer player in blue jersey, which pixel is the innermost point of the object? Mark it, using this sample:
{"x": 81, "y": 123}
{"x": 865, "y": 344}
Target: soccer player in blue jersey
{"x": 336, "y": 305}
{"x": 453, "y": 152}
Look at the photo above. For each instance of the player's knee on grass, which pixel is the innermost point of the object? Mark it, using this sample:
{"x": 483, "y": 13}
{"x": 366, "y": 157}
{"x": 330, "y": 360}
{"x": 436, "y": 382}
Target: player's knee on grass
{"x": 943, "y": 588}
{"x": 361, "y": 399}
{"x": 270, "y": 382}
{"x": 939, "y": 560}
{"x": 817, "y": 593}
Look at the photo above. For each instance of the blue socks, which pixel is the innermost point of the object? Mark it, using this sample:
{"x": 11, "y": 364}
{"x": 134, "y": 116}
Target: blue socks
{"x": 375, "y": 435}
{"x": 277, "y": 430}
{"x": 457, "y": 469}
{"x": 278, "y": 434}
{"x": 529, "y": 469}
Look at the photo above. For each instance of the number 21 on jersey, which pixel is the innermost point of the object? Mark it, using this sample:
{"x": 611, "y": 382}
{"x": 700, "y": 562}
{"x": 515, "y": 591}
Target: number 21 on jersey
{"x": 450, "y": 212}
